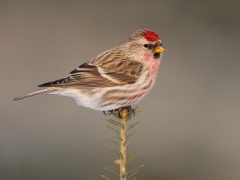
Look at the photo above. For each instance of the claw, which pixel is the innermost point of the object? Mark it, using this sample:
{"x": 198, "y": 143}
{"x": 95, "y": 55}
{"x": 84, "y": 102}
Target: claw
{"x": 106, "y": 113}
{"x": 118, "y": 112}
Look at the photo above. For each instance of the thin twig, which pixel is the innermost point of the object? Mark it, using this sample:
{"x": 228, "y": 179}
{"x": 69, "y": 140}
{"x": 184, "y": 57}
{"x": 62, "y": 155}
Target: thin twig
{"x": 123, "y": 149}
{"x": 122, "y": 115}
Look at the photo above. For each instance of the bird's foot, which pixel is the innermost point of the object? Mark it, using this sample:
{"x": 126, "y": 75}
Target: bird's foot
{"x": 107, "y": 113}
{"x": 118, "y": 113}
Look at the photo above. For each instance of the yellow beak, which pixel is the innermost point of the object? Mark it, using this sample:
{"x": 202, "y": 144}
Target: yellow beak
{"x": 158, "y": 49}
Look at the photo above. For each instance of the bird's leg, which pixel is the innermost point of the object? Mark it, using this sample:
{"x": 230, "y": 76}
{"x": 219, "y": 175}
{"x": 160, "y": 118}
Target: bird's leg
{"x": 118, "y": 112}
{"x": 106, "y": 113}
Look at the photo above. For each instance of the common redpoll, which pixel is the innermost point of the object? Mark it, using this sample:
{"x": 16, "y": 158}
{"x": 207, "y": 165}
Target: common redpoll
{"x": 118, "y": 77}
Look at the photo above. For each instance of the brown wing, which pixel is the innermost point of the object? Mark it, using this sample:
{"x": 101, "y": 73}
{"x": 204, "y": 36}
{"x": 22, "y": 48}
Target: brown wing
{"x": 90, "y": 75}
{"x": 115, "y": 60}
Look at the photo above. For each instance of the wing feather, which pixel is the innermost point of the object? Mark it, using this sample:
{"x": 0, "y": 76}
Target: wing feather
{"x": 92, "y": 74}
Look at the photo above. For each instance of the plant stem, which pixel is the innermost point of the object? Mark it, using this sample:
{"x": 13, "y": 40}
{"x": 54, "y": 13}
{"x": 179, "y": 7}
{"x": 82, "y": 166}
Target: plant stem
{"x": 122, "y": 114}
{"x": 123, "y": 148}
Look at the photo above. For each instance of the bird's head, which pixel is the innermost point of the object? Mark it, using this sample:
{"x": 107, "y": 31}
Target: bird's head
{"x": 146, "y": 44}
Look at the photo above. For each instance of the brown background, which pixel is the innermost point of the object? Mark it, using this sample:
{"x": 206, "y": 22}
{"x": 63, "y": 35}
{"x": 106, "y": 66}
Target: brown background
{"x": 190, "y": 121}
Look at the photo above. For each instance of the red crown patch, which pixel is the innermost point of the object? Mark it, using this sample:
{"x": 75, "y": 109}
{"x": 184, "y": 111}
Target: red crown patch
{"x": 150, "y": 35}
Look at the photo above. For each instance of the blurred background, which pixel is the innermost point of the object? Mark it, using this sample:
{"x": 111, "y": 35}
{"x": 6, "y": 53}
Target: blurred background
{"x": 190, "y": 120}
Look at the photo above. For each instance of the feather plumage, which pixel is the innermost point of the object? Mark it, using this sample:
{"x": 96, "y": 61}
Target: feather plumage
{"x": 119, "y": 77}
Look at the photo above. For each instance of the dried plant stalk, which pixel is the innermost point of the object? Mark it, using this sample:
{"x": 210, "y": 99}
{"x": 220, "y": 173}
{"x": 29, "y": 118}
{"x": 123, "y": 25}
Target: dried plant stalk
{"x": 123, "y": 143}
{"x": 122, "y": 115}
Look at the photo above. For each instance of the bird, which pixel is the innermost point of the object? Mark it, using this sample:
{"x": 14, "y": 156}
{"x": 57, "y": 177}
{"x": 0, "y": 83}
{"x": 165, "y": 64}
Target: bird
{"x": 118, "y": 77}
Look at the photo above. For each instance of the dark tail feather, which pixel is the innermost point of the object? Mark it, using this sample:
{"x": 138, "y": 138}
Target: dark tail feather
{"x": 34, "y": 93}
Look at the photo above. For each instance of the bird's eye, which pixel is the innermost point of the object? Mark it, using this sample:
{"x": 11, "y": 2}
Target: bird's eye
{"x": 146, "y": 45}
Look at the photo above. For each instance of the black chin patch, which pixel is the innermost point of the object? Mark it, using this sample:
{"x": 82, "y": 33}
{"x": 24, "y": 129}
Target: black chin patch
{"x": 156, "y": 55}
